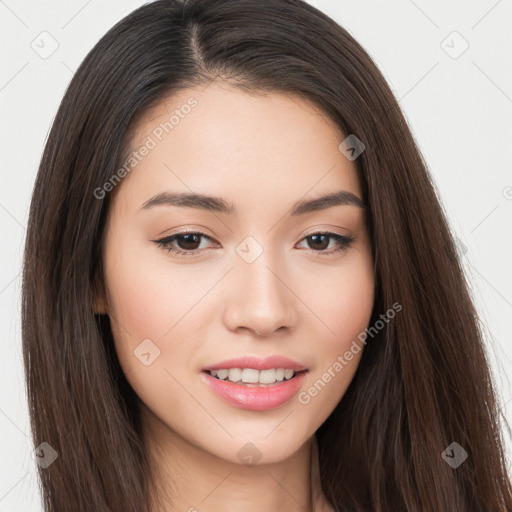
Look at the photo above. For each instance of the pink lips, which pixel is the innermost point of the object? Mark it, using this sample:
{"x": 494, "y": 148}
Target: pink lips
{"x": 258, "y": 363}
{"x": 256, "y": 398}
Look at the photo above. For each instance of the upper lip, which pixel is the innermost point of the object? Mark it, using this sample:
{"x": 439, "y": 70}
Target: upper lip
{"x": 257, "y": 363}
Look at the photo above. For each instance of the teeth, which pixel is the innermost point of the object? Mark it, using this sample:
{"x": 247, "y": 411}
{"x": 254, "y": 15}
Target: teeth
{"x": 268, "y": 376}
{"x": 251, "y": 376}
{"x": 222, "y": 374}
{"x": 235, "y": 374}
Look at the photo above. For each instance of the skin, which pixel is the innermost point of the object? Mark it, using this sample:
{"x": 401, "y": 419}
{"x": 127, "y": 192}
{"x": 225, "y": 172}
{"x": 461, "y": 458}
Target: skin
{"x": 263, "y": 153}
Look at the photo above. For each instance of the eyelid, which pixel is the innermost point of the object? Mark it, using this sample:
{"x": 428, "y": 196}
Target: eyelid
{"x": 325, "y": 230}
{"x": 200, "y": 230}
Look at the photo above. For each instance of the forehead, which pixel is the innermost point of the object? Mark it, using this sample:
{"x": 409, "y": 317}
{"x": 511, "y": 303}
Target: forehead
{"x": 241, "y": 146}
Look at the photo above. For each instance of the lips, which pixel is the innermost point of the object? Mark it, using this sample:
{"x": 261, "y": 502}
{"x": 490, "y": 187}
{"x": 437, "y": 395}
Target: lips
{"x": 253, "y": 383}
{"x": 258, "y": 363}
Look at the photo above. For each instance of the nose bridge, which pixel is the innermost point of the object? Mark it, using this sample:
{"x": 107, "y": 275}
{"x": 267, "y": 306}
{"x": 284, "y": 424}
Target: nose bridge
{"x": 260, "y": 301}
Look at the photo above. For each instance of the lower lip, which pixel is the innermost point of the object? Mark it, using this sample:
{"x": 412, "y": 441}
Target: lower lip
{"x": 255, "y": 398}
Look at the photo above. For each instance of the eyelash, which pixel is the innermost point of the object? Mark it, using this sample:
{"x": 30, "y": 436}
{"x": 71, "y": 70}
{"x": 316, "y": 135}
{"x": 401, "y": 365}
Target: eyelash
{"x": 344, "y": 242}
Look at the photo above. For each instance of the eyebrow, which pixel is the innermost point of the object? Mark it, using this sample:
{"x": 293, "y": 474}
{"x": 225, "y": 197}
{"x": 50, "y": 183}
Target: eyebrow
{"x": 217, "y": 204}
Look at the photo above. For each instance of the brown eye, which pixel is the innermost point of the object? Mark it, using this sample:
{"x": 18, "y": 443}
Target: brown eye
{"x": 183, "y": 243}
{"x": 319, "y": 242}
{"x": 188, "y": 242}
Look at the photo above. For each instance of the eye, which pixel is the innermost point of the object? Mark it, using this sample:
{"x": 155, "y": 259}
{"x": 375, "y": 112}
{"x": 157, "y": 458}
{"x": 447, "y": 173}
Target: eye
{"x": 190, "y": 242}
{"x": 319, "y": 242}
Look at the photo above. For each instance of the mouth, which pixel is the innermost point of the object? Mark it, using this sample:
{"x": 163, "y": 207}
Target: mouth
{"x": 250, "y": 377}
{"x": 255, "y": 384}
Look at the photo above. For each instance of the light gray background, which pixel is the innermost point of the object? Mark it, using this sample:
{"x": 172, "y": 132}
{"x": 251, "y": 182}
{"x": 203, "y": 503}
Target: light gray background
{"x": 459, "y": 109}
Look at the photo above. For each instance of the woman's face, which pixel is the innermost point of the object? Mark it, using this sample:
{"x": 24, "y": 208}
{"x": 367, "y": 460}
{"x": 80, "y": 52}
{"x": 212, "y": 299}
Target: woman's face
{"x": 252, "y": 286}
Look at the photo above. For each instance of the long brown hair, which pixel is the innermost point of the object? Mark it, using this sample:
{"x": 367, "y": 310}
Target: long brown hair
{"x": 423, "y": 381}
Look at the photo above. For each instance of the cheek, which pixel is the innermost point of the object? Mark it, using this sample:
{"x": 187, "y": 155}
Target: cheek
{"x": 153, "y": 299}
{"x": 147, "y": 297}
{"x": 135, "y": 301}
{"x": 345, "y": 305}
{"x": 342, "y": 300}
{"x": 354, "y": 304}
{"x": 149, "y": 303}
{"x": 140, "y": 298}
{"x": 348, "y": 307}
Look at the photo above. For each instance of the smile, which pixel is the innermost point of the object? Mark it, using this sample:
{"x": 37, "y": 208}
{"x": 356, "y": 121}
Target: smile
{"x": 252, "y": 377}
{"x": 254, "y": 396}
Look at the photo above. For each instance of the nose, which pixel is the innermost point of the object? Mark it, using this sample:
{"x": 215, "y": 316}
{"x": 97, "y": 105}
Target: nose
{"x": 260, "y": 299}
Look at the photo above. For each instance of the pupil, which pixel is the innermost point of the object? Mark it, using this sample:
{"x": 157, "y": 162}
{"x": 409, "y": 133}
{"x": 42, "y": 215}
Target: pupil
{"x": 190, "y": 238}
{"x": 316, "y": 237}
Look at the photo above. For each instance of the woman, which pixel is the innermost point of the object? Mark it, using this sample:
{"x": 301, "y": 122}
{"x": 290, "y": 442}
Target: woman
{"x": 240, "y": 290}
